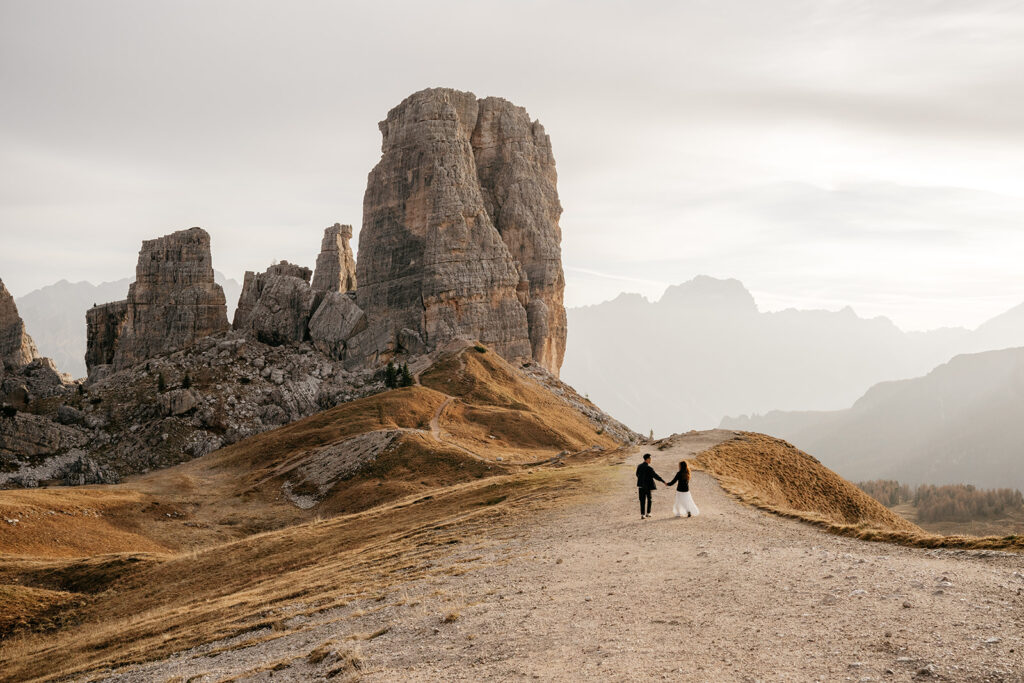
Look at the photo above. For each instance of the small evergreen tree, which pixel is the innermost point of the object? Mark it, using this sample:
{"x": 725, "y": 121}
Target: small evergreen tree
{"x": 406, "y": 375}
{"x": 186, "y": 381}
{"x": 161, "y": 383}
{"x": 391, "y": 376}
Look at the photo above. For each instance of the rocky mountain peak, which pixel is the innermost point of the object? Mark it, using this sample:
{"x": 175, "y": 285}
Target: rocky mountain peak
{"x": 460, "y": 234}
{"x": 712, "y": 295}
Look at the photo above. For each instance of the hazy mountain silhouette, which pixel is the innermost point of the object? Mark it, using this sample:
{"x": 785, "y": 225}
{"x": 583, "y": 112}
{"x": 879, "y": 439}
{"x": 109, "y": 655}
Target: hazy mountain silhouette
{"x": 55, "y": 315}
{"x": 704, "y": 352}
{"x": 961, "y": 423}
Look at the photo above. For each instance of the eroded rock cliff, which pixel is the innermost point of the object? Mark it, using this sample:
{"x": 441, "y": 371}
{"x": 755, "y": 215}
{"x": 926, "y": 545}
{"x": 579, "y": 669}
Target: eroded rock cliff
{"x": 275, "y": 306}
{"x": 336, "y": 265}
{"x": 460, "y": 217}
{"x": 16, "y": 348}
{"x": 173, "y": 302}
{"x": 518, "y": 182}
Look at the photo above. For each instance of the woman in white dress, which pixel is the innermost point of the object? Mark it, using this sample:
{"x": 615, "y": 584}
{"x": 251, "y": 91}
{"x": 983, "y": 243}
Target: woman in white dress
{"x": 684, "y": 501}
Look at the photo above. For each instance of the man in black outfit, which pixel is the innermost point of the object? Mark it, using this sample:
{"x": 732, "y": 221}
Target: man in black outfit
{"x": 645, "y": 476}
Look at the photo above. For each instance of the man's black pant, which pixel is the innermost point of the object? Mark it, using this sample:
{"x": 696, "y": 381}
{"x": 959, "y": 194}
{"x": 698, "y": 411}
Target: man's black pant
{"x": 645, "y": 497}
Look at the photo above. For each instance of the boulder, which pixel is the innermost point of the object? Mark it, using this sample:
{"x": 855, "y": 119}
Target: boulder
{"x": 275, "y": 306}
{"x": 178, "y": 402}
{"x": 16, "y": 348}
{"x": 336, "y": 320}
{"x": 335, "y": 266}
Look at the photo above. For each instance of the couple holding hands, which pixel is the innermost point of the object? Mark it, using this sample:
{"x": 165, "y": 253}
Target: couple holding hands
{"x": 645, "y": 476}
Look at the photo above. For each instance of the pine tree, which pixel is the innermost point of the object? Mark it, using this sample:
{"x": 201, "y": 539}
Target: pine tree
{"x": 391, "y": 376}
{"x": 406, "y": 375}
{"x": 186, "y": 381}
{"x": 161, "y": 383}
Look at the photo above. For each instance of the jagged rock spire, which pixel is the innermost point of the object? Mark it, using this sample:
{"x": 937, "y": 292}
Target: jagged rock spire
{"x": 335, "y": 266}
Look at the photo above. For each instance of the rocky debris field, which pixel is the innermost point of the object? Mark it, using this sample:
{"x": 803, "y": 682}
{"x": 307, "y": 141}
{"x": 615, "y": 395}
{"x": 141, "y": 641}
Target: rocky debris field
{"x": 170, "y": 409}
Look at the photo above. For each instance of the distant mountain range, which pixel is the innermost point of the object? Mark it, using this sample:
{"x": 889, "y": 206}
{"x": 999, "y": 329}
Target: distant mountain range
{"x": 55, "y": 315}
{"x": 961, "y": 423}
{"x": 704, "y": 351}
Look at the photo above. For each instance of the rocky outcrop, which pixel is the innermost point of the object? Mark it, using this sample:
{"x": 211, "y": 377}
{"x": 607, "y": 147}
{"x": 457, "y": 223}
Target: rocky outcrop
{"x": 335, "y": 266}
{"x": 460, "y": 234}
{"x": 39, "y": 379}
{"x": 336, "y": 320}
{"x": 518, "y": 182}
{"x": 173, "y": 302}
{"x": 275, "y": 306}
{"x": 16, "y": 348}
{"x": 104, "y": 324}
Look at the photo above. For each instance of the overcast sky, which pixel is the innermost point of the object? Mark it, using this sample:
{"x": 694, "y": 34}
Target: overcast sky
{"x": 824, "y": 153}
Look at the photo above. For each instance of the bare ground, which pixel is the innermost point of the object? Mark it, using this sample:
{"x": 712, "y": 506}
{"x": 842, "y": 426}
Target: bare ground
{"x": 588, "y": 590}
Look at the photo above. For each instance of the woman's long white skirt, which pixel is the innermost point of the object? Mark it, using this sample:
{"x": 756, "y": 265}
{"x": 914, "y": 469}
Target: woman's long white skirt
{"x": 684, "y": 504}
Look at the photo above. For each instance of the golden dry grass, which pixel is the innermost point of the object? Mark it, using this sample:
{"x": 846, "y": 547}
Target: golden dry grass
{"x": 772, "y": 475}
{"x": 26, "y": 608}
{"x": 229, "y": 589}
{"x": 499, "y": 413}
{"x": 70, "y": 522}
{"x": 211, "y": 548}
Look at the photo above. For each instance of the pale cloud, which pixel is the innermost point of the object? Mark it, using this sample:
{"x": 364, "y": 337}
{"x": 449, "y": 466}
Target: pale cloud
{"x": 823, "y": 152}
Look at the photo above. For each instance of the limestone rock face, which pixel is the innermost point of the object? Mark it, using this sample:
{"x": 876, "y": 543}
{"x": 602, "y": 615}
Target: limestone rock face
{"x": 433, "y": 260}
{"x": 518, "y": 182}
{"x": 336, "y": 320}
{"x": 16, "y": 348}
{"x": 335, "y": 266}
{"x": 275, "y": 306}
{"x": 172, "y": 302}
{"x": 104, "y": 324}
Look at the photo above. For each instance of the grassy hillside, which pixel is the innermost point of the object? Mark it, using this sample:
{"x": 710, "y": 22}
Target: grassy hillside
{"x": 360, "y": 495}
{"x": 771, "y": 474}
{"x": 774, "y": 475}
{"x": 958, "y": 424}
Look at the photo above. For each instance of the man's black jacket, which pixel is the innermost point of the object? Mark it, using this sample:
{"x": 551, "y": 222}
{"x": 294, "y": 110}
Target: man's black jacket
{"x": 645, "y": 476}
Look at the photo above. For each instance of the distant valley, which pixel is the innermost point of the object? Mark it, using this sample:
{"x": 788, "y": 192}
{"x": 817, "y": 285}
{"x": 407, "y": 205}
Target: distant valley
{"x": 961, "y": 423}
{"x": 704, "y": 352}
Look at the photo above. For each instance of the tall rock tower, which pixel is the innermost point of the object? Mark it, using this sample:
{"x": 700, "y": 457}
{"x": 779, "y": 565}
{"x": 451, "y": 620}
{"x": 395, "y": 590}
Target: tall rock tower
{"x": 460, "y": 234}
{"x": 335, "y": 266}
{"x": 172, "y": 302}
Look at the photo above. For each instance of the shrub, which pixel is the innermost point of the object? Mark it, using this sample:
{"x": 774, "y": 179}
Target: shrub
{"x": 8, "y": 411}
{"x": 186, "y": 381}
{"x": 480, "y": 349}
{"x": 161, "y": 383}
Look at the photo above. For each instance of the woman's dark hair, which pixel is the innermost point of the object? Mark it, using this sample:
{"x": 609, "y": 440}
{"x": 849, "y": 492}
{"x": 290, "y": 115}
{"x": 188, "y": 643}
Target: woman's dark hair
{"x": 685, "y": 469}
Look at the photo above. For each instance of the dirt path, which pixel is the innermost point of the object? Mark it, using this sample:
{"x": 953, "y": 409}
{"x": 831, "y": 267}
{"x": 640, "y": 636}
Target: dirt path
{"x": 591, "y": 591}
